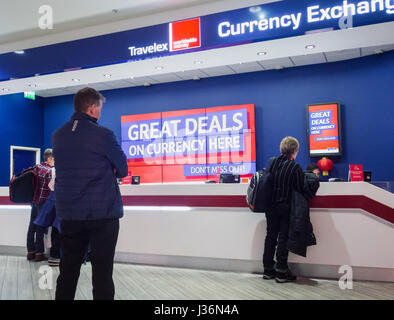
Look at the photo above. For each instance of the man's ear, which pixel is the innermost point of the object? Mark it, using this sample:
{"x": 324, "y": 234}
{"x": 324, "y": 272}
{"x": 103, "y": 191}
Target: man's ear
{"x": 90, "y": 110}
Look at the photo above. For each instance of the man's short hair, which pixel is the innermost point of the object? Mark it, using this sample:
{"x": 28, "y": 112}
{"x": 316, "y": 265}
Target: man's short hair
{"x": 85, "y": 97}
{"x": 289, "y": 145}
{"x": 47, "y": 154}
{"x": 312, "y": 166}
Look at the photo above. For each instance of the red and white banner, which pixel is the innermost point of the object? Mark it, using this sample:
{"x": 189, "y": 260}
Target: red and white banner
{"x": 185, "y": 34}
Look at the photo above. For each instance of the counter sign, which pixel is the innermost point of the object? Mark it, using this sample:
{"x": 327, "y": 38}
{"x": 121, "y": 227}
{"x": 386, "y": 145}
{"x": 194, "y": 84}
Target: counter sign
{"x": 324, "y": 129}
{"x": 190, "y": 145}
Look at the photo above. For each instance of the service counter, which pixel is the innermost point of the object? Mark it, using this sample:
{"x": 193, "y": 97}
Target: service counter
{"x": 208, "y": 226}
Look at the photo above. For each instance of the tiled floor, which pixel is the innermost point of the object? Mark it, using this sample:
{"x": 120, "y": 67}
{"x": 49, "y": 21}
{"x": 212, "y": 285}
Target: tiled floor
{"x": 19, "y": 280}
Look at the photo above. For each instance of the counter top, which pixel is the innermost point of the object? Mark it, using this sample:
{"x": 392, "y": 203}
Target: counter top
{"x": 209, "y": 225}
{"x": 349, "y": 195}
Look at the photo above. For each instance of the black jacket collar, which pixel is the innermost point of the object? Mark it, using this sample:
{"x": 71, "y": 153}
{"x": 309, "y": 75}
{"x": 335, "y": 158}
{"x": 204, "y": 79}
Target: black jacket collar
{"x": 80, "y": 116}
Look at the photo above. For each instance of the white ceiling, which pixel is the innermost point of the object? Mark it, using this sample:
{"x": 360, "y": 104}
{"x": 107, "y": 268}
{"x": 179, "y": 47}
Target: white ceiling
{"x": 77, "y": 19}
{"x": 72, "y": 14}
{"x": 222, "y": 70}
{"x": 283, "y": 53}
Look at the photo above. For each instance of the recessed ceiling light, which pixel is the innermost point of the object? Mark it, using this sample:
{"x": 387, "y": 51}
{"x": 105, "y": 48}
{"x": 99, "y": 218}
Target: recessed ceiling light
{"x": 279, "y": 67}
{"x": 262, "y": 53}
{"x": 146, "y": 84}
{"x": 255, "y": 9}
{"x": 76, "y": 80}
{"x": 198, "y": 62}
{"x": 107, "y": 75}
{"x": 310, "y": 46}
{"x": 159, "y": 68}
{"x": 19, "y": 51}
{"x": 196, "y": 78}
{"x": 132, "y": 77}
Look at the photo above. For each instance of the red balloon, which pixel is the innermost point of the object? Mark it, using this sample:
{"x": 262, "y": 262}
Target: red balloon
{"x": 325, "y": 164}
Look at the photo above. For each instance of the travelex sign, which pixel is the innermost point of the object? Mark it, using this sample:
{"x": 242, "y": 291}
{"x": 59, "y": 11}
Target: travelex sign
{"x": 182, "y": 35}
{"x": 312, "y": 14}
{"x": 275, "y": 20}
{"x": 190, "y": 144}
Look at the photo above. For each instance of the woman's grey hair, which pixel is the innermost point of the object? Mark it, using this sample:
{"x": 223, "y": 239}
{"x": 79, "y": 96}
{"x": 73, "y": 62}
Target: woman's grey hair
{"x": 289, "y": 146}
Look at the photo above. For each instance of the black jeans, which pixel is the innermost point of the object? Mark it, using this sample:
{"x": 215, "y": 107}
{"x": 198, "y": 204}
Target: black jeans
{"x": 278, "y": 219}
{"x": 35, "y": 234}
{"x": 55, "y": 240}
{"x": 75, "y": 238}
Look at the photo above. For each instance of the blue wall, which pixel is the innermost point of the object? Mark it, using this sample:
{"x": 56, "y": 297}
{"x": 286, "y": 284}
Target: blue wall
{"x": 364, "y": 87}
{"x": 21, "y": 123}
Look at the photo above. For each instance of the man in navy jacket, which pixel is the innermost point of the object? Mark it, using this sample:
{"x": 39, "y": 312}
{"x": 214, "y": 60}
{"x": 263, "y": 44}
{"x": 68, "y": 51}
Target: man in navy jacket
{"x": 88, "y": 202}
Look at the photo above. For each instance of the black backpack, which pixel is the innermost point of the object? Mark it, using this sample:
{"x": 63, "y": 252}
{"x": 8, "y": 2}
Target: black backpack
{"x": 259, "y": 194}
{"x": 24, "y": 186}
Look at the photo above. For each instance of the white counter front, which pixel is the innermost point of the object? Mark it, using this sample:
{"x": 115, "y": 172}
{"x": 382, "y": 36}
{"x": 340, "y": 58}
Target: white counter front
{"x": 209, "y": 226}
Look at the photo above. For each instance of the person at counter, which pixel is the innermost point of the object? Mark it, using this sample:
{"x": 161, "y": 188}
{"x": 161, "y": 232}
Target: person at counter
{"x": 88, "y": 200}
{"x": 47, "y": 218}
{"x": 313, "y": 168}
{"x": 35, "y": 233}
{"x": 287, "y": 176}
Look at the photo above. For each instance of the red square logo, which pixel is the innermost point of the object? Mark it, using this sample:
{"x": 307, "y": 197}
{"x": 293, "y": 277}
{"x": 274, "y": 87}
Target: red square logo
{"x": 185, "y": 34}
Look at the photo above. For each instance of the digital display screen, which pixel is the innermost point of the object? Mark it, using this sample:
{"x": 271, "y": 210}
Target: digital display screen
{"x": 324, "y": 129}
{"x": 190, "y": 145}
